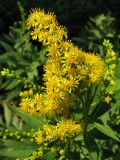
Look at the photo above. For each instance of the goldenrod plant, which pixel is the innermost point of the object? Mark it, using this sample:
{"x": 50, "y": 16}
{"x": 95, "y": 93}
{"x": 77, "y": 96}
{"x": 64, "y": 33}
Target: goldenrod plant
{"x": 71, "y": 117}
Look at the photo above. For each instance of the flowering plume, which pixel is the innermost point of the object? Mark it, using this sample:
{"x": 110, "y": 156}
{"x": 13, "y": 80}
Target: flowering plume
{"x": 66, "y": 67}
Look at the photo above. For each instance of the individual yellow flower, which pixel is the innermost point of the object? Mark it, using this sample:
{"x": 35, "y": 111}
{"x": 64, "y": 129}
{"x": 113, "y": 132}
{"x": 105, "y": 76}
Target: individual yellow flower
{"x": 107, "y": 99}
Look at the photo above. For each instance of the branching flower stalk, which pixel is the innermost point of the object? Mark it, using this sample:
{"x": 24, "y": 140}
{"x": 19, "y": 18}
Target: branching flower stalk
{"x": 6, "y": 72}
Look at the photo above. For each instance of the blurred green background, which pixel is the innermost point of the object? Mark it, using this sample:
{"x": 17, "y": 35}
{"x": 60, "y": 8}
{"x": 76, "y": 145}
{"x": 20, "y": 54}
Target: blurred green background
{"x": 88, "y": 22}
{"x": 72, "y": 13}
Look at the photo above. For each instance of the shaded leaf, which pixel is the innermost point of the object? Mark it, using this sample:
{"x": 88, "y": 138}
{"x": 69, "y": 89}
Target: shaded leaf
{"x": 12, "y": 84}
{"x": 79, "y": 137}
{"x": 6, "y": 46}
{"x": 13, "y": 93}
{"x": 32, "y": 121}
{"x": 4, "y": 58}
{"x": 49, "y": 155}
{"x": 7, "y": 114}
{"x": 17, "y": 149}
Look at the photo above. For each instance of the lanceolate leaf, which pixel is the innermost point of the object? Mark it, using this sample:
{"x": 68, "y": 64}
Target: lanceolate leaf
{"x": 12, "y": 85}
{"x": 17, "y": 149}
{"x": 32, "y": 121}
{"x": 7, "y": 114}
{"x": 106, "y": 130}
{"x": 7, "y": 47}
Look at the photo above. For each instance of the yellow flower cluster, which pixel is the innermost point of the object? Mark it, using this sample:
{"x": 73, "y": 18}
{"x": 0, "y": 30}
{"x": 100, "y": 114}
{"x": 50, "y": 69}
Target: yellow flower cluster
{"x": 33, "y": 103}
{"x": 61, "y": 131}
{"x": 30, "y": 103}
{"x": 67, "y": 66}
{"x": 94, "y": 67}
{"x": 45, "y": 27}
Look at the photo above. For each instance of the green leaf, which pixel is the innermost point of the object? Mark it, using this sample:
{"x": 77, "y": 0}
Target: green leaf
{"x": 7, "y": 114}
{"x": 13, "y": 93}
{"x": 91, "y": 146}
{"x": 17, "y": 122}
{"x": 5, "y": 84}
{"x": 12, "y": 85}
{"x": 106, "y": 130}
{"x": 42, "y": 55}
{"x": 6, "y": 46}
{"x": 116, "y": 86}
{"x": 1, "y": 121}
{"x": 117, "y": 73}
{"x": 4, "y": 58}
{"x": 117, "y": 156}
{"x": 49, "y": 155}
{"x": 32, "y": 121}
{"x": 19, "y": 71}
{"x": 17, "y": 149}
{"x": 33, "y": 70}
{"x": 79, "y": 137}
{"x": 93, "y": 155}
{"x": 10, "y": 51}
